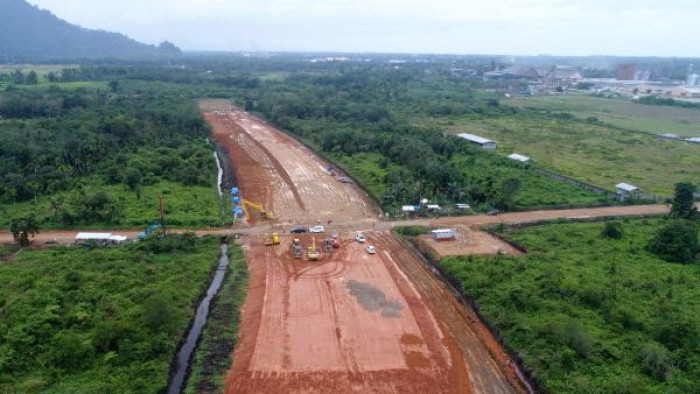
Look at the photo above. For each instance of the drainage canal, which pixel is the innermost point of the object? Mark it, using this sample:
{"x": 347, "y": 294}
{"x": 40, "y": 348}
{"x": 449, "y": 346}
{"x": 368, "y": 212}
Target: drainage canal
{"x": 184, "y": 357}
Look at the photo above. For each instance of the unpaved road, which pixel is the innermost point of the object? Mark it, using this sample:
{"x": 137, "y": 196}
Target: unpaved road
{"x": 282, "y": 174}
{"x": 367, "y": 224}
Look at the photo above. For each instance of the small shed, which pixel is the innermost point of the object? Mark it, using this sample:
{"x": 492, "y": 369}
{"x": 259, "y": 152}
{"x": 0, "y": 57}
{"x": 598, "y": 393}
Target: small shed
{"x": 477, "y": 140}
{"x": 520, "y": 158}
{"x": 625, "y": 190}
{"x": 445, "y": 234}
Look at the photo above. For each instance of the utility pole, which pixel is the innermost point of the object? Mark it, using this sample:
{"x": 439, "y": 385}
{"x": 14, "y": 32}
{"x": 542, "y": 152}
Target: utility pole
{"x": 161, "y": 209}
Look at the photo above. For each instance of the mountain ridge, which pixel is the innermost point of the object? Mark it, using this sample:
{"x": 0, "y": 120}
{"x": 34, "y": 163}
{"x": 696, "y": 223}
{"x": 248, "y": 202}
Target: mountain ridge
{"x": 30, "y": 33}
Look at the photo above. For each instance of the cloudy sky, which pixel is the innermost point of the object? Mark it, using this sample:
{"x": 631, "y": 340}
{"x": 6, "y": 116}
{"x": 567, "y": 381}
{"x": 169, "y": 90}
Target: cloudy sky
{"x": 526, "y": 27}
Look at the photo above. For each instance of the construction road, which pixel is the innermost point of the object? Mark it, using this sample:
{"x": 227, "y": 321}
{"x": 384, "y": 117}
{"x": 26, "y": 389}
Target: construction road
{"x": 350, "y": 322}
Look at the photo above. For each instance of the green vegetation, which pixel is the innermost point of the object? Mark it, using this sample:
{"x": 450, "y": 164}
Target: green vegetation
{"x": 214, "y": 354}
{"x": 85, "y": 157}
{"x": 676, "y": 242}
{"x": 592, "y": 314}
{"x": 590, "y": 152}
{"x": 362, "y": 118}
{"x": 102, "y": 320}
{"x": 620, "y": 113}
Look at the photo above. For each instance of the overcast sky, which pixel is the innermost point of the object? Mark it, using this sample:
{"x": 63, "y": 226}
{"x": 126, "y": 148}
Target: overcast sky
{"x": 526, "y": 27}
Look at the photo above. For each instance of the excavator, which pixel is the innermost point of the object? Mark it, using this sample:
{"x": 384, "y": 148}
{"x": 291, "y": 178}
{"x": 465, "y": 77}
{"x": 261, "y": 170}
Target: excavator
{"x": 312, "y": 253}
{"x": 264, "y": 214}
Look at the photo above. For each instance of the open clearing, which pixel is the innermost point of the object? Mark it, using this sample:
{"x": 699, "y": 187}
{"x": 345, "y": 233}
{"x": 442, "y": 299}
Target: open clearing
{"x": 656, "y": 119}
{"x": 469, "y": 241}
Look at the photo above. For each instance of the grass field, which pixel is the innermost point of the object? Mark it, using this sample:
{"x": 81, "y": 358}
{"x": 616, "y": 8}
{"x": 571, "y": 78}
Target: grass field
{"x": 592, "y": 315}
{"x": 185, "y": 206}
{"x": 656, "y": 119}
{"x": 99, "y": 321}
{"x": 592, "y": 153}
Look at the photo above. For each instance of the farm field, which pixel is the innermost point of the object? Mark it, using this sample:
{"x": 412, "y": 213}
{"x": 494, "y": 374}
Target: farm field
{"x": 588, "y": 314}
{"x": 655, "y": 119}
{"x": 592, "y": 153}
{"x": 101, "y": 320}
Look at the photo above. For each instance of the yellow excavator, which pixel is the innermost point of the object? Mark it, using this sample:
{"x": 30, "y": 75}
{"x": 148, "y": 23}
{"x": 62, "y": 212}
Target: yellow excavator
{"x": 312, "y": 253}
{"x": 272, "y": 239}
{"x": 264, "y": 214}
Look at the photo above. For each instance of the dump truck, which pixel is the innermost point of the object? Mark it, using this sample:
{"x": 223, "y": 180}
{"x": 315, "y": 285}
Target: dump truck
{"x": 297, "y": 249}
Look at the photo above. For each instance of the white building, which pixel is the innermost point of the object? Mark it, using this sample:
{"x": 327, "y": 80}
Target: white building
{"x": 625, "y": 190}
{"x": 477, "y": 140}
{"x": 520, "y": 158}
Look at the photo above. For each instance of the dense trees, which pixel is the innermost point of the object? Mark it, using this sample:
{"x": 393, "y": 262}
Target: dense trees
{"x": 24, "y": 228}
{"x": 53, "y": 137}
{"x": 106, "y": 320}
{"x": 683, "y": 204}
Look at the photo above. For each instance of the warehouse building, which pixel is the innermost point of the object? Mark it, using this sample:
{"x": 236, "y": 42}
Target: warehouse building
{"x": 480, "y": 141}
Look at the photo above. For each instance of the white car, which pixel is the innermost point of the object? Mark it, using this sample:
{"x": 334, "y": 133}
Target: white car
{"x": 316, "y": 229}
{"x": 360, "y": 238}
{"x": 370, "y": 249}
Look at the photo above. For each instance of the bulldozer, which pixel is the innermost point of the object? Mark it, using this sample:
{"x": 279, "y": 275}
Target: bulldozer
{"x": 272, "y": 239}
{"x": 264, "y": 214}
{"x": 312, "y": 253}
{"x": 297, "y": 249}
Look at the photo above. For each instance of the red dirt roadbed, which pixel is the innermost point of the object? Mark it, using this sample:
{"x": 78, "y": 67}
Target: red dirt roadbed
{"x": 352, "y": 323}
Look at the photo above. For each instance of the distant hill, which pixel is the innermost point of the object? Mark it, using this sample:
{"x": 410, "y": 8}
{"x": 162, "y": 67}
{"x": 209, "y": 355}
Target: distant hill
{"x": 29, "y": 33}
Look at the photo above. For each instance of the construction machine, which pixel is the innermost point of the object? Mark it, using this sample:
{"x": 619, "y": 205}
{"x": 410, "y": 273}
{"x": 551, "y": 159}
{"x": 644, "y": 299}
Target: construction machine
{"x": 272, "y": 239}
{"x": 312, "y": 253}
{"x": 264, "y": 214}
{"x": 296, "y": 249}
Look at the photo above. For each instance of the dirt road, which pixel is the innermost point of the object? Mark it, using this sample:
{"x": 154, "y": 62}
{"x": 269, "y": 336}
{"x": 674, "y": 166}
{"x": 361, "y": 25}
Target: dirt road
{"x": 282, "y": 174}
{"x": 349, "y": 225}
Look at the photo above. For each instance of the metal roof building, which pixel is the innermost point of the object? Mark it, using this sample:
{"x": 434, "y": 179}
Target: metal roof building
{"x": 626, "y": 187}
{"x": 481, "y": 141}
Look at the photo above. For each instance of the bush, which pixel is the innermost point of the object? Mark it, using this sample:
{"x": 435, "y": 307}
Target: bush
{"x": 656, "y": 361}
{"x": 676, "y": 242}
{"x": 612, "y": 230}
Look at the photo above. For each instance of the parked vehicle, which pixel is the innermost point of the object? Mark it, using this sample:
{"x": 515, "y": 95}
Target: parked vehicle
{"x": 370, "y": 249}
{"x": 494, "y": 212}
{"x": 298, "y": 230}
{"x": 360, "y": 238}
{"x": 316, "y": 229}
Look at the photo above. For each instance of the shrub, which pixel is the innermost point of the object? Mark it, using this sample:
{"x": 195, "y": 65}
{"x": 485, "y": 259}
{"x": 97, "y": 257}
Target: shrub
{"x": 676, "y": 242}
{"x": 612, "y": 230}
{"x": 656, "y": 361}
